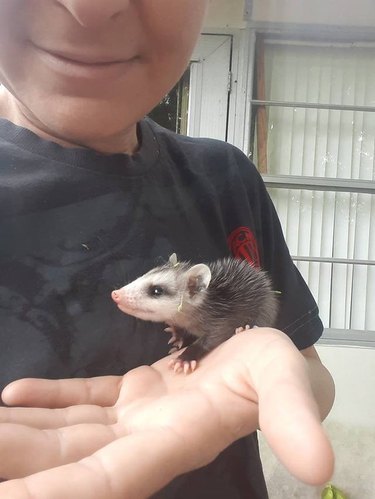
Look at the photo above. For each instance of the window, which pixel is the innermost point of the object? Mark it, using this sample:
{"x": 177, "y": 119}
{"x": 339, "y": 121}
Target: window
{"x": 198, "y": 104}
{"x": 172, "y": 111}
{"x": 313, "y": 139}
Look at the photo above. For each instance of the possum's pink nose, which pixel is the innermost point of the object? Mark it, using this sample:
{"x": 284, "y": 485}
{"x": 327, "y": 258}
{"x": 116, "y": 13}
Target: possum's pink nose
{"x": 116, "y": 296}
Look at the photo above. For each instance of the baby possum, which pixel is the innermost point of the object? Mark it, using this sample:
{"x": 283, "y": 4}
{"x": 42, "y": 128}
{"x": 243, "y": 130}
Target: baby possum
{"x": 203, "y": 304}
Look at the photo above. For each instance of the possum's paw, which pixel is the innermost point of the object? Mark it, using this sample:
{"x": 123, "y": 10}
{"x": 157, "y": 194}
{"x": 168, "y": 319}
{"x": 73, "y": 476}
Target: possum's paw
{"x": 242, "y": 329}
{"x": 176, "y": 341}
{"x": 180, "y": 365}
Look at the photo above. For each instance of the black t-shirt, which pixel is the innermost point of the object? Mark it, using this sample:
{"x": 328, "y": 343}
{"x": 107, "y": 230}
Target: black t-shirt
{"x": 74, "y": 225}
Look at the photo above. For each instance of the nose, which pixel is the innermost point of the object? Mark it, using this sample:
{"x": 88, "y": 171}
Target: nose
{"x": 116, "y": 295}
{"x": 93, "y": 13}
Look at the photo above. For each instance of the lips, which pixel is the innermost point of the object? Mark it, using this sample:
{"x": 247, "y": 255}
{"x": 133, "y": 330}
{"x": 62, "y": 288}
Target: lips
{"x": 83, "y": 66}
{"x": 86, "y": 59}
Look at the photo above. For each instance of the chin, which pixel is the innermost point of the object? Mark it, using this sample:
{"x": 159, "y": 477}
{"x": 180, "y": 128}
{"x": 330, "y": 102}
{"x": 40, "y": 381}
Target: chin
{"x": 102, "y": 125}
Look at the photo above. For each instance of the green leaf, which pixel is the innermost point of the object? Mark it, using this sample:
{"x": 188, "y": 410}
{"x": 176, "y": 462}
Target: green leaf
{"x": 332, "y": 492}
{"x": 327, "y": 492}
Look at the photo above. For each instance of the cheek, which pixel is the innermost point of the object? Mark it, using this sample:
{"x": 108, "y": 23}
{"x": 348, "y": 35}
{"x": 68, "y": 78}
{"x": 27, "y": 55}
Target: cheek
{"x": 163, "y": 309}
{"x": 170, "y": 305}
{"x": 172, "y": 29}
{"x": 12, "y": 41}
{"x": 169, "y": 21}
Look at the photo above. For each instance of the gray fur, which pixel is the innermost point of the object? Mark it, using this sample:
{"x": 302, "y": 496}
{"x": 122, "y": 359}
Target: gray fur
{"x": 237, "y": 295}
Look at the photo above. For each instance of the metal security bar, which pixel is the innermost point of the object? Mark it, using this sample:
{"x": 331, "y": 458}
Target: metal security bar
{"x": 321, "y": 259}
{"x": 319, "y": 184}
{"x": 312, "y": 105}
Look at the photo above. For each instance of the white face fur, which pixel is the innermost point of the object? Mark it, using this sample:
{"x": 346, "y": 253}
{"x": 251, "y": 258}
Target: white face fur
{"x": 164, "y": 295}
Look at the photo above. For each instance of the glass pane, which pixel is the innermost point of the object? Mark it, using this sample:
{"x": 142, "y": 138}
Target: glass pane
{"x": 344, "y": 293}
{"x": 333, "y": 225}
{"x": 313, "y": 142}
{"x": 327, "y": 224}
{"x": 172, "y": 111}
{"x": 318, "y": 73}
{"x": 321, "y": 143}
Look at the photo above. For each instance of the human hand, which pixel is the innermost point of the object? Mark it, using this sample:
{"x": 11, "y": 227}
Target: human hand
{"x": 129, "y": 436}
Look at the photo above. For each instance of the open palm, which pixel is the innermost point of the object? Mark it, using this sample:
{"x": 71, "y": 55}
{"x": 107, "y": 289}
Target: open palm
{"x": 115, "y": 437}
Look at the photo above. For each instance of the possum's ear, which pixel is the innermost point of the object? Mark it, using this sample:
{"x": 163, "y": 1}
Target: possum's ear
{"x": 198, "y": 278}
{"x": 173, "y": 259}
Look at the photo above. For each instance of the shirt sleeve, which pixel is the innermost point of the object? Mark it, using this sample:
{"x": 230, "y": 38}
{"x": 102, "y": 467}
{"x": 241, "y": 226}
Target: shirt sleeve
{"x": 299, "y": 315}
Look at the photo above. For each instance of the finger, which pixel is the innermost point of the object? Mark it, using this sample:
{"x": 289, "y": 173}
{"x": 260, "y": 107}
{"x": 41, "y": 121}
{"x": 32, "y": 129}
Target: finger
{"x": 111, "y": 472}
{"x": 57, "y": 418}
{"x": 288, "y": 414}
{"x": 26, "y": 450}
{"x": 266, "y": 369}
{"x": 62, "y": 393}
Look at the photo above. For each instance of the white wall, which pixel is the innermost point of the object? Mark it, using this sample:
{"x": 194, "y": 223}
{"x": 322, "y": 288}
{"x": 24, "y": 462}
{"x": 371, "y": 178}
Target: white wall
{"x": 230, "y": 13}
{"x": 225, "y": 14}
{"x": 335, "y": 12}
{"x": 353, "y": 370}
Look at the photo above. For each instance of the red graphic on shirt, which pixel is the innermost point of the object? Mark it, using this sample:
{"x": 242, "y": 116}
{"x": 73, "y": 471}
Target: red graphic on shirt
{"x": 243, "y": 245}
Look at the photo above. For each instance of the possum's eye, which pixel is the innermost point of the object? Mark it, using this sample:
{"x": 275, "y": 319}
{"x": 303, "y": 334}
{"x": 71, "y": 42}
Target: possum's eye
{"x": 155, "y": 291}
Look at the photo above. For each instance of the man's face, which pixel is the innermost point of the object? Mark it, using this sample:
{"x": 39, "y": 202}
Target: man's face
{"x": 86, "y": 68}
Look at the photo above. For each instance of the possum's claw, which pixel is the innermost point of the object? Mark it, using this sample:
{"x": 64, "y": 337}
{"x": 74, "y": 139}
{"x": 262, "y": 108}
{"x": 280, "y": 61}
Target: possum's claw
{"x": 193, "y": 365}
{"x": 170, "y": 330}
{"x": 183, "y": 365}
{"x": 176, "y": 341}
{"x": 176, "y": 365}
{"x": 242, "y": 329}
{"x": 174, "y": 349}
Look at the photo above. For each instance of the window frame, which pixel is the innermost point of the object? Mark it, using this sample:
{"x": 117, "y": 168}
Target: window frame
{"x": 243, "y": 140}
